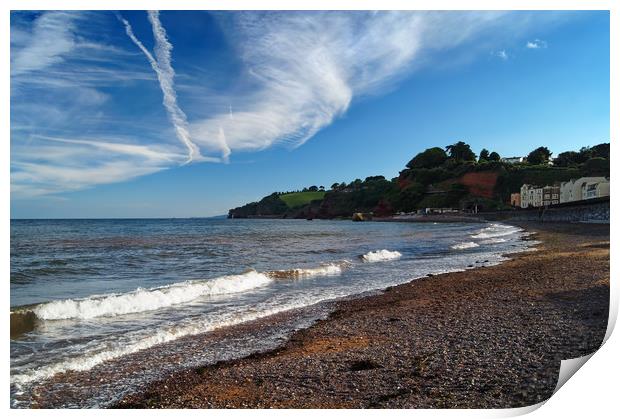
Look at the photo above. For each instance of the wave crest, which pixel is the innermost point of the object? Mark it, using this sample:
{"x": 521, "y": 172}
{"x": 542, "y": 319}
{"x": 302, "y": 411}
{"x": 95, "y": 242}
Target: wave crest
{"x": 493, "y": 241}
{"x": 495, "y": 230}
{"x": 331, "y": 269}
{"x": 142, "y": 300}
{"x": 381, "y": 255}
{"x": 465, "y": 245}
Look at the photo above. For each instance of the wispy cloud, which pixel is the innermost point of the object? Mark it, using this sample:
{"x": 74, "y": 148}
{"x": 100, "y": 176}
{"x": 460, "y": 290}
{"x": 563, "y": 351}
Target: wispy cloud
{"x": 67, "y": 78}
{"x": 501, "y": 54}
{"x": 27, "y": 177}
{"x": 86, "y": 162}
{"x": 85, "y": 110}
{"x": 309, "y": 67}
{"x": 536, "y": 44}
{"x": 52, "y": 38}
{"x": 165, "y": 75}
{"x": 149, "y": 153}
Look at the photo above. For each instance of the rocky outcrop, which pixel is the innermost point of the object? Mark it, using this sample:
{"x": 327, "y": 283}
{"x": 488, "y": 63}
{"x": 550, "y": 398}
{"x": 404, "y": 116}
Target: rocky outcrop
{"x": 360, "y": 216}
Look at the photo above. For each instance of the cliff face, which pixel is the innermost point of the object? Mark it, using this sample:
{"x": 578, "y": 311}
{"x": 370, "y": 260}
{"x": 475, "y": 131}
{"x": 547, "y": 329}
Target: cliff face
{"x": 480, "y": 184}
{"x": 270, "y": 206}
{"x": 412, "y": 190}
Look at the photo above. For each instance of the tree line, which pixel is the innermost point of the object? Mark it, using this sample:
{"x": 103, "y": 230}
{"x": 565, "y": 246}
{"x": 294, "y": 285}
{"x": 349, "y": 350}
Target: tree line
{"x": 435, "y": 178}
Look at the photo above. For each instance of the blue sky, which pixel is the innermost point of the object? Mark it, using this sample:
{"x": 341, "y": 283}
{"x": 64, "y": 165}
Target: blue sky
{"x": 180, "y": 114}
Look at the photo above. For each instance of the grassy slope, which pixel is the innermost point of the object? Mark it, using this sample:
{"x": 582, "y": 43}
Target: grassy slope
{"x": 297, "y": 199}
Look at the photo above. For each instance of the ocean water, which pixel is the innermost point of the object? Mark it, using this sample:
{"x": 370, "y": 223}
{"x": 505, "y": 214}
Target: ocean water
{"x": 90, "y": 298}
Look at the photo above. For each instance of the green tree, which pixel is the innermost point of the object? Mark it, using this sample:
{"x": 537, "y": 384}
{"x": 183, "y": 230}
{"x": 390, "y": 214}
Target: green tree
{"x": 539, "y": 156}
{"x": 409, "y": 197}
{"x": 484, "y": 155}
{"x": 567, "y": 158}
{"x": 597, "y": 166}
{"x": 494, "y": 156}
{"x": 585, "y": 153}
{"x": 429, "y": 158}
{"x": 313, "y": 188}
{"x": 600, "y": 150}
{"x": 460, "y": 151}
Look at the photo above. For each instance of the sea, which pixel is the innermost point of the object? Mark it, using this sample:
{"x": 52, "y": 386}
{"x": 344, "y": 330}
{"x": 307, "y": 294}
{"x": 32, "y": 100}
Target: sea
{"x": 100, "y": 308}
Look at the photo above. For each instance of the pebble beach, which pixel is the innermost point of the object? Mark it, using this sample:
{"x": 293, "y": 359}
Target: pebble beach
{"x": 489, "y": 337}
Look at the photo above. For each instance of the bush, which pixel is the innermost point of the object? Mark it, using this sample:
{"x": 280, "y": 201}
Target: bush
{"x": 596, "y": 166}
{"x": 428, "y": 159}
{"x": 539, "y": 156}
{"x": 461, "y": 151}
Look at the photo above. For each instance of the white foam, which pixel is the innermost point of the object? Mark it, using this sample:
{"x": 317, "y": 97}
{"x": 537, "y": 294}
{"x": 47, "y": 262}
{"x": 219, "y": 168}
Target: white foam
{"x": 495, "y": 230}
{"x": 92, "y": 359}
{"x": 381, "y": 255}
{"x": 493, "y": 241}
{"x": 142, "y": 300}
{"x": 331, "y": 269}
{"x": 465, "y": 245}
{"x": 325, "y": 270}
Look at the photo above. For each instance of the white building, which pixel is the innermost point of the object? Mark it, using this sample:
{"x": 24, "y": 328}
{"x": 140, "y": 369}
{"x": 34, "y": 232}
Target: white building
{"x": 595, "y": 190}
{"x": 512, "y": 160}
{"x": 531, "y": 196}
{"x": 584, "y": 188}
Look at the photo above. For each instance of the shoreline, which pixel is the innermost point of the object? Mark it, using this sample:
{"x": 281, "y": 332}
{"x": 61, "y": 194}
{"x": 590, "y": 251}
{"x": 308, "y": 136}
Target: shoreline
{"x": 451, "y": 340}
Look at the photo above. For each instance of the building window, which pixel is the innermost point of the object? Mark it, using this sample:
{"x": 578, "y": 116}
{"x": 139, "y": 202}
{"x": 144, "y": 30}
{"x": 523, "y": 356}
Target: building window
{"x": 590, "y": 191}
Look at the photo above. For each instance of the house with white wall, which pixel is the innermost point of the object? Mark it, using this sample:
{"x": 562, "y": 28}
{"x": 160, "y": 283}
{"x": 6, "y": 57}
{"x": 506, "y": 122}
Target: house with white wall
{"x": 531, "y": 196}
{"x": 593, "y": 190}
{"x": 512, "y": 160}
{"x": 584, "y": 188}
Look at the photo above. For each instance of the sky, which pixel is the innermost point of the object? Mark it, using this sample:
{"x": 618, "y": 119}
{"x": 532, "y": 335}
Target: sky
{"x": 190, "y": 113}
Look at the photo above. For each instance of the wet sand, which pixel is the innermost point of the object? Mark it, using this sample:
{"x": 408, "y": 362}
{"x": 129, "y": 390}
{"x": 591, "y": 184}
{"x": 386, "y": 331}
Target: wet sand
{"x": 489, "y": 337}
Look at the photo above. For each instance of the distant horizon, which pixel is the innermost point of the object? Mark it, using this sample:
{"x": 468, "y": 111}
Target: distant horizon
{"x": 327, "y": 187}
{"x": 120, "y": 218}
{"x": 186, "y": 114}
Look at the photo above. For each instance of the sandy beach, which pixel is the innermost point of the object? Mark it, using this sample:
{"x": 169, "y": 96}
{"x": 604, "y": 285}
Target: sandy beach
{"x": 489, "y": 337}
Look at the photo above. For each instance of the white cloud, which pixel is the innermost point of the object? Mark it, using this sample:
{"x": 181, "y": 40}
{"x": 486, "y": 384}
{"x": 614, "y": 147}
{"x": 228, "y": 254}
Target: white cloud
{"x": 50, "y": 40}
{"x": 150, "y": 153}
{"x": 501, "y": 54}
{"x": 536, "y": 44}
{"x": 29, "y": 179}
{"x": 59, "y": 65}
{"x": 57, "y": 167}
{"x": 165, "y": 74}
{"x": 309, "y": 67}
{"x": 299, "y": 71}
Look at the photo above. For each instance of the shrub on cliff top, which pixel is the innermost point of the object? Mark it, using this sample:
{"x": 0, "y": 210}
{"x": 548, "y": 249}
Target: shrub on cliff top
{"x": 428, "y": 159}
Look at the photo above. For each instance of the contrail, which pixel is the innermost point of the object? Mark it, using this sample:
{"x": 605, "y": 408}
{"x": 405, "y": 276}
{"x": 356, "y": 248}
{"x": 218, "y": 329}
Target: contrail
{"x": 224, "y": 145}
{"x": 165, "y": 75}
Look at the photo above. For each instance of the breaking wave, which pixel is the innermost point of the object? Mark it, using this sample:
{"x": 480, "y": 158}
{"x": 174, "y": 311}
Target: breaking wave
{"x": 90, "y": 360}
{"x": 331, "y": 269}
{"x": 493, "y": 241}
{"x": 381, "y": 255}
{"x": 466, "y": 245}
{"x": 495, "y": 230}
{"x": 142, "y": 300}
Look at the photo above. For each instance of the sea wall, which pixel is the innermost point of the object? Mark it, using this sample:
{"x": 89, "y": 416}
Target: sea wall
{"x": 592, "y": 211}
